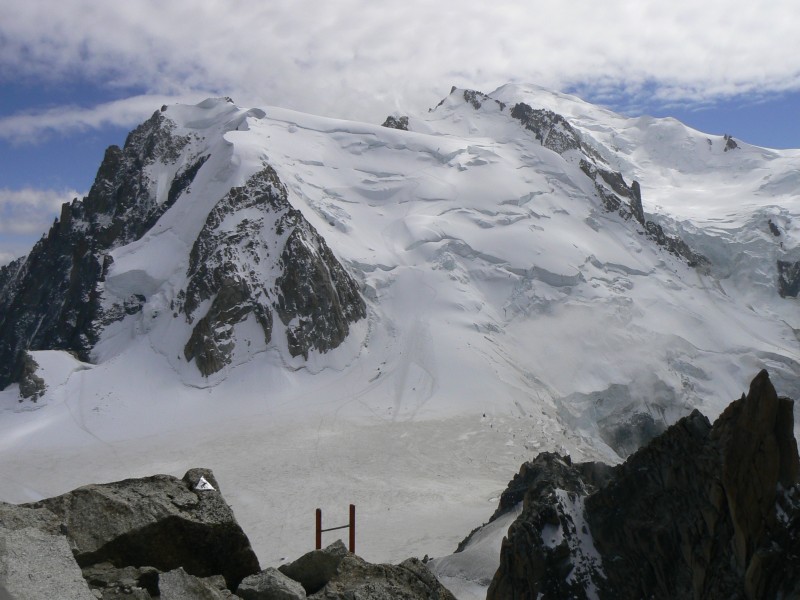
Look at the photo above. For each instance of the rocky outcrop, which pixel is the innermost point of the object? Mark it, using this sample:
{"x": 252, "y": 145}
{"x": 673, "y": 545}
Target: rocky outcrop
{"x": 50, "y": 300}
{"x": 555, "y": 133}
{"x": 356, "y": 578}
{"x": 701, "y": 512}
{"x": 730, "y": 143}
{"x": 35, "y": 564}
{"x": 400, "y": 123}
{"x": 125, "y": 536}
{"x": 174, "y": 539}
{"x": 788, "y": 278}
{"x": 273, "y": 260}
{"x": 336, "y": 574}
{"x": 31, "y": 386}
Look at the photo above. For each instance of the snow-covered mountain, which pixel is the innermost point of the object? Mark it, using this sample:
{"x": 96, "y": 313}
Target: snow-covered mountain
{"x": 326, "y": 311}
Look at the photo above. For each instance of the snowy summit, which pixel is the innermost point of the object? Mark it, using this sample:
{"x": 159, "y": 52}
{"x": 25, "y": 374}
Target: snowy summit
{"x": 328, "y": 312}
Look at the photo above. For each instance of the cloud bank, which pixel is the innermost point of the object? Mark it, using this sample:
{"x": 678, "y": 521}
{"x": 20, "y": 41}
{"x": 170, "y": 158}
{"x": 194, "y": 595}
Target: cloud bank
{"x": 363, "y": 60}
{"x": 31, "y": 211}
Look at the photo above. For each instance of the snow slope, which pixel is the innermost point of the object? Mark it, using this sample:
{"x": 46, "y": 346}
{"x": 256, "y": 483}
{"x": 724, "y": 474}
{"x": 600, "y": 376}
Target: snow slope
{"x": 508, "y": 313}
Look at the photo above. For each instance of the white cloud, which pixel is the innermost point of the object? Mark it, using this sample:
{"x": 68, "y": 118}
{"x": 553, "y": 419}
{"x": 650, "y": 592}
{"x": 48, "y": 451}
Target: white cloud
{"x": 31, "y": 211}
{"x": 6, "y": 257}
{"x": 31, "y": 126}
{"x": 363, "y": 60}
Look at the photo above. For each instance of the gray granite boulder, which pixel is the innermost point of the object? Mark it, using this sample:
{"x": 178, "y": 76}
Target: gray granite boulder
{"x": 270, "y": 584}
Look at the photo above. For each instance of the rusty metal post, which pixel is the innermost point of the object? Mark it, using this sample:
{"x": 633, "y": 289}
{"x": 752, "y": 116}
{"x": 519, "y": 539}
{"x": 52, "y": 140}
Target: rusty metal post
{"x": 353, "y": 528}
{"x": 319, "y": 529}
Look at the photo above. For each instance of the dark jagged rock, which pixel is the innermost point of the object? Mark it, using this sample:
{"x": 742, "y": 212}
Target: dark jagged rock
{"x": 773, "y": 228}
{"x": 400, "y": 123}
{"x": 730, "y": 143}
{"x": 31, "y": 386}
{"x": 545, "y": 551}
{"x": 551, "y": 129}
{"x": 478, "y": 99}
{"x": 675, "y": 245}
{"x": 315, "y": 298}
{"x": 50, "y": 300}
{"x": 555, "y": 133}
{"x": 700, "y": 512}
{"x": 788, "y": 278}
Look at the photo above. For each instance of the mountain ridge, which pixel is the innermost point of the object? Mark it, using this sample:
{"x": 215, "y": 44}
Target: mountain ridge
{"x": 505, "y": 309}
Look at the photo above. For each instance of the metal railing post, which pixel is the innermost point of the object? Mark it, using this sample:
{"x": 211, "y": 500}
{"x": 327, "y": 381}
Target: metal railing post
{"x": 319, "y": 529}
{"x": 353, "y": 528}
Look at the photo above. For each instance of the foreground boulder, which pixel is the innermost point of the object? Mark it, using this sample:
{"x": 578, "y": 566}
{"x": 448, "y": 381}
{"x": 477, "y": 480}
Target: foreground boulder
{"x": 356, "y": 578}
{"x": 128, "y": 535}
{"x": 336, "y": 574}
{"x": 701, "y": 512}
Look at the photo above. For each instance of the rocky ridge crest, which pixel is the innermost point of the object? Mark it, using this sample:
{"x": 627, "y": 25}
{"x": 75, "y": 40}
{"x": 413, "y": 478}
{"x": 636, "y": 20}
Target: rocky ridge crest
{"x": 701, "y": 512}
{"x": 51, "y": 299}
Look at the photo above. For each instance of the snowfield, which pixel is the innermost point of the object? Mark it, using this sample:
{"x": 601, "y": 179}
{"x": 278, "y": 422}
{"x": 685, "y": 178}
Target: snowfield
{"x": 508, "y": 314}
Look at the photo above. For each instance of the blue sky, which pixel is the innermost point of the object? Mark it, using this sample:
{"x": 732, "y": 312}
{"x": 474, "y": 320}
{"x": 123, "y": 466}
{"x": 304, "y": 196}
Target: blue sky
{"x": 76, "y": 77}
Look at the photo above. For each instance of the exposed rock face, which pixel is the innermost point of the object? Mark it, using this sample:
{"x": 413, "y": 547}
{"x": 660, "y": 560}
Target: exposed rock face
{"x": 31, "y": 386}
{"x": 271, "y": 260}
{"x": 788, "y": 278}
{"x": 179, "y": 585}
{"x": 396, "y": 123}
{"x": 35, "y": 565}
{"x": 555, "y": 132}
{"x": 123, "y": 534}
{"x": 50, "y": 299}
{"x": 700, "y": 512}
{"x": 730, "y": 143}
{"x": 548, "y": 549}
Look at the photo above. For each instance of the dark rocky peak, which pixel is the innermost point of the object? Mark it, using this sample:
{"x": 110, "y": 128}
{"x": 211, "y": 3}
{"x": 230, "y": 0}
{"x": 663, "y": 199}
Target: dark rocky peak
{"x": 701, "y": 512}
{"x": 547, "y": 552}
{"x": 273, "y": 262}
{"x": 400, "y": 123}
{"x": 121, "y": 205}
{"x": 478, "y": 99}
{"x": 551, "y": 129}
{"x": 51, "y": 299}
{"x": 474, "y": 98}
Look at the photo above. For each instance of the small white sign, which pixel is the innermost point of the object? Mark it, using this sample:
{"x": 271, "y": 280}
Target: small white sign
{"x": 203, "y": 485}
